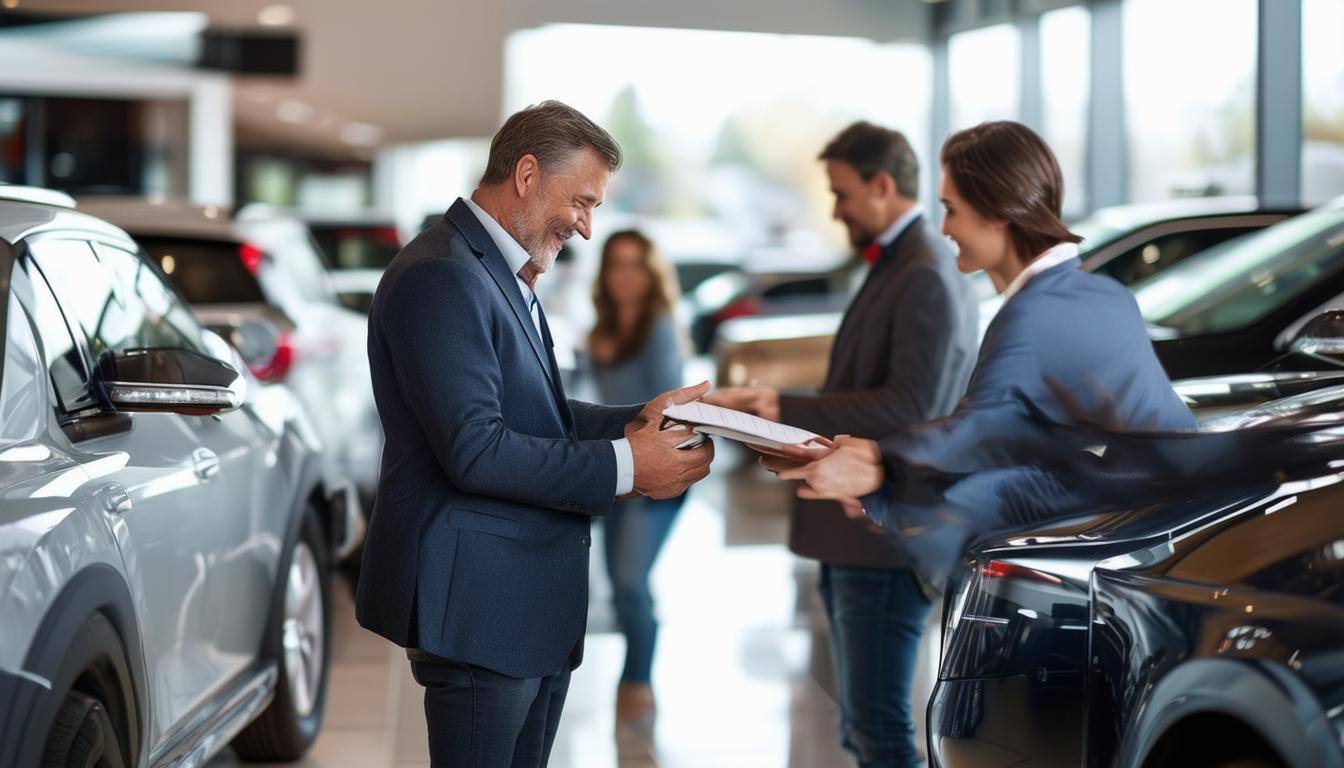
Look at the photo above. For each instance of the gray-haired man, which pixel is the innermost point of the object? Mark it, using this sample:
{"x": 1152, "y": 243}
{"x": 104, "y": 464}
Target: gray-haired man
{"x": 476, "y": 557}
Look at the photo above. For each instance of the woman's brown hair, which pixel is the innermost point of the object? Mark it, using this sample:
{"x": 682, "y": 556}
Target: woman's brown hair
{"x": 1008, "y": 173}
{"x": 661, "y": 298}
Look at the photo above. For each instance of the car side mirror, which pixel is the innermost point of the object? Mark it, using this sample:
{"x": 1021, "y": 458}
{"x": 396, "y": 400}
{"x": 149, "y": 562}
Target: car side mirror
{"x": 173, "y": 380}
{"x": 1322, "y": 337}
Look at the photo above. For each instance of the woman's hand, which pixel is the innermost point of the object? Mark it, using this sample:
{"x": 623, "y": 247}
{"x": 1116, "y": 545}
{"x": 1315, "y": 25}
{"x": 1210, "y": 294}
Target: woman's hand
{"x": 854, "y": 469}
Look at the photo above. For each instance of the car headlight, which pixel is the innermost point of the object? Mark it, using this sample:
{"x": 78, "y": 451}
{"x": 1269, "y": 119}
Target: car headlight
{"x": 1010, "y": 619}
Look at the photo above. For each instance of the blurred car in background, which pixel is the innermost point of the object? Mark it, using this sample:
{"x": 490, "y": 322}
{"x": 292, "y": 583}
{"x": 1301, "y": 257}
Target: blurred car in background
{"x": 1237, "y": 307}
{"x": 735, "y": 294}
{"x": 267, "y": 265}
{"x": 1129, "y": 243}
{"x": 166, "y": 531}
{"x": 356, "y": 246}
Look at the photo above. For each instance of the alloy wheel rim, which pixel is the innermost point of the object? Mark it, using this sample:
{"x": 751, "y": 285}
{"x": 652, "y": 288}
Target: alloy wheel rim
{"x": 303, "y": 630}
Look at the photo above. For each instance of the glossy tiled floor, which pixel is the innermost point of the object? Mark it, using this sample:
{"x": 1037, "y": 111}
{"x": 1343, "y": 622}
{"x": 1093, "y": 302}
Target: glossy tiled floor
{"x": 742, "y": 672}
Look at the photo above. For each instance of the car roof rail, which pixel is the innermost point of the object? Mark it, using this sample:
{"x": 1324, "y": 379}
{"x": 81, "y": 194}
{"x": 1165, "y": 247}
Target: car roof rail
{"x": 41, "y": 195}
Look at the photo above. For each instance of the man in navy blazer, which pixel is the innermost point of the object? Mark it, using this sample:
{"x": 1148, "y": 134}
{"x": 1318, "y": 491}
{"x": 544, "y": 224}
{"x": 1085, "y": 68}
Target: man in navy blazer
{"x": 476, "y": 556}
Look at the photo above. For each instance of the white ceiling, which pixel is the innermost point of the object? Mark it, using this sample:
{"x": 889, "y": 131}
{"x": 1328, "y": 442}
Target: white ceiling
{"x": 412, "y": 70}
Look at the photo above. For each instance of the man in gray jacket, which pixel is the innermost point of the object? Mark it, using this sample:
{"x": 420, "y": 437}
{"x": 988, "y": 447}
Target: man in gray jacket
{"x": 903, "y": 356}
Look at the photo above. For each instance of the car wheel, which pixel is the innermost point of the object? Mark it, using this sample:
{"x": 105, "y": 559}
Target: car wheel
{"x": 1250, "y": 762}
{"x": 82, "y": 736}
{"x": 85, "y": 732}
{"x": 290, "y": 724}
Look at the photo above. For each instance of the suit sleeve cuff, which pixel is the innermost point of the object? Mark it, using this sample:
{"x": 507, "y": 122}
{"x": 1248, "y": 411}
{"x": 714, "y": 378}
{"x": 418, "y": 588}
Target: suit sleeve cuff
{"x": 879, "y": 508}
{"x": 625, "y": 466}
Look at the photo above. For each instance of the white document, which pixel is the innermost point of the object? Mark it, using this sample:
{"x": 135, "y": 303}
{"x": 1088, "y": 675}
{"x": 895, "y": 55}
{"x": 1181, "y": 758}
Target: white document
{"x": 712, "y": 420}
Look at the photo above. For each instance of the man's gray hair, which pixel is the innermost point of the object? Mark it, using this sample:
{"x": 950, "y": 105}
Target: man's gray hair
{"x": 550, "y": 131}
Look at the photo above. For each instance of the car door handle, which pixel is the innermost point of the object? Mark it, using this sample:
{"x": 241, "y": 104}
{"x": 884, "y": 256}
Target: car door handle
{"x": 206, "y": 464}
{"x": 115, "y": 498}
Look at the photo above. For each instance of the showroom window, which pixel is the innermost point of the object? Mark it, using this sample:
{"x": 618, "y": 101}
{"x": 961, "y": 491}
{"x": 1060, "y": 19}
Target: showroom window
{"x": 985, "y": 75}
{"x": 1323, "y": 100}
{"x": 723, "y": 128}
{"x": 1065, "y": 84}
{"x": 1190, "y": 101}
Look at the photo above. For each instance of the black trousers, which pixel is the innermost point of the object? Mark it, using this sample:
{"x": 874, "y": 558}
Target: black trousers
{"x": 482, "y": 719}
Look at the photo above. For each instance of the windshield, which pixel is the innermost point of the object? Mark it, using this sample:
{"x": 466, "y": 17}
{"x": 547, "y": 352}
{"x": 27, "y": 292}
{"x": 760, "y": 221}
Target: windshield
{"x": 1239, "y": 282}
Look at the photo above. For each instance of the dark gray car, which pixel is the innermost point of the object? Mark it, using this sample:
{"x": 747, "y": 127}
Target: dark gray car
{"x": 165, "y": 530}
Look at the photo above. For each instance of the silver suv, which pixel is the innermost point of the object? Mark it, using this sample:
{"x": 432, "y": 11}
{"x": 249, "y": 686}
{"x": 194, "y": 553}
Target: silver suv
{"x": 266, "y": 264}
{"x": 165, "y": 532}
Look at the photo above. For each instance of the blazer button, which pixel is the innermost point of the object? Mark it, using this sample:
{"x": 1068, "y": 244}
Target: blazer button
{"x": 587, "y": 541}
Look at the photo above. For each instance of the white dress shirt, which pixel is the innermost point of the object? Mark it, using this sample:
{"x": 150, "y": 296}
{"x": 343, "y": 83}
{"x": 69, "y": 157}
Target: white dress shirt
{"x": 516, "y": 257}
{"x": 1051, "y": 258}
{"x": 898, "y": 226}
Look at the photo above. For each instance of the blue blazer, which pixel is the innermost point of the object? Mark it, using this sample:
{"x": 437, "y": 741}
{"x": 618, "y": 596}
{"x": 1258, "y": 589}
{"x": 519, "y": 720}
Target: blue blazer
{"x": 477, "y": 546}
{"x": 1069, "y": 348}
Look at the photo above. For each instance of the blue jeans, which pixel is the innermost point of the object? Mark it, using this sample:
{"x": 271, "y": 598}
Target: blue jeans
{"x": 634, "y": 534}
{"x": 876, "y": 618}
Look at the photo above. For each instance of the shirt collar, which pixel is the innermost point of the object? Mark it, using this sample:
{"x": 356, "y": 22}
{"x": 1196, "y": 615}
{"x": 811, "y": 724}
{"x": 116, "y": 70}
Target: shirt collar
{"x": 514, "y": 254}
{"x": 898, "y": 226}
{"x": 1051, "y": 258}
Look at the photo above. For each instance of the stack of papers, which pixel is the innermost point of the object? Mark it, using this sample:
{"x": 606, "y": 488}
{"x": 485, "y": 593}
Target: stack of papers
{"x": 753, "y": 430}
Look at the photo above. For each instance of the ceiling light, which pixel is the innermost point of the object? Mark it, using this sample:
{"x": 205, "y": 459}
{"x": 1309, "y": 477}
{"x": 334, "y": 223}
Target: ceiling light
{"x": 291, "y": 111}
{"x": 362, "y": 134}
{"x": 11, "y": 3}
{"x": 276, "y": 16}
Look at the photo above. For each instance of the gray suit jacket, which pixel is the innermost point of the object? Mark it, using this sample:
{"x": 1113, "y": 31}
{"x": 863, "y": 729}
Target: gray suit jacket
{"x": 903, "y": 356}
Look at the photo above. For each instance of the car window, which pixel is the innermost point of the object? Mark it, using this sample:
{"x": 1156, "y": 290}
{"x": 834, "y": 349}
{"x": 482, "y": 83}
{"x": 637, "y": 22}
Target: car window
{"x": 355, "y": 246}
{"x": 1149, "y": 258}
{"x": 206, "y": 271}
{"x": 1234, "y": 284}
{"x": 100, "y": 296}
{"x": 23, "y": 400}
{"x": 166, "y": 321}
{"x": 65, "y": 363}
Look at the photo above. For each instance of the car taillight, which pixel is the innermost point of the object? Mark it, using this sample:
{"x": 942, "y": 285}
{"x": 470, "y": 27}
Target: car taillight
{"x": 251, "y": 257}
{"x": 1007, "y": 618}
{"x": 746, "y": 306}
{"x": 278, "y": 366}
{"x": 998, "y": 569}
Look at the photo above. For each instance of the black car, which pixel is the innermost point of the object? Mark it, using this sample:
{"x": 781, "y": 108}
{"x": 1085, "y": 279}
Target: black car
{"x": 1234, "y": 308}
{"x": 1205, "y": 630}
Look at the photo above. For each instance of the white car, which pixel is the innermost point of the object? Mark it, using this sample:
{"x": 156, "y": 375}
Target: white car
{"x": 269, "y": 265}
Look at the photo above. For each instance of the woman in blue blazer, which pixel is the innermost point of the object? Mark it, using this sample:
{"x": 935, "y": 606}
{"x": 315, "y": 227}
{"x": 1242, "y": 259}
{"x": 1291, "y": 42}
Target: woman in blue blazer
{"x": 1067, "y": 347}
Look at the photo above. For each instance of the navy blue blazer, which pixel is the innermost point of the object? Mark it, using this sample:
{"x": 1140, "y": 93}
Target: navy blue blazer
{"x": 1069, "y": 348}
{"x": 478, "y": 542}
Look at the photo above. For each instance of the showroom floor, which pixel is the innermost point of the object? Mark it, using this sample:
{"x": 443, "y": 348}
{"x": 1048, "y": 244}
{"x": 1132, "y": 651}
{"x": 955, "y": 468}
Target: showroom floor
{"x": 741, "y": 676}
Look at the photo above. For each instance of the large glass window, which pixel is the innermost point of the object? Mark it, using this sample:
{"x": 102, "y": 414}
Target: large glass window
{"x": 1322, "y": 100}
{"x": 1066, "y": 68}
{"x": 985, "y": 75}
{"x": 1190, "y": 97}
{"x": 721, "y": 130}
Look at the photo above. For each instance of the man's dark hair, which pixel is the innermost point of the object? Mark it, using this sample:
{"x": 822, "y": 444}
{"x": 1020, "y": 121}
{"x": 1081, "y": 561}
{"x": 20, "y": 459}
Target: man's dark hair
{"x": 550, "y": 131}
{"x": 871, "y": 149}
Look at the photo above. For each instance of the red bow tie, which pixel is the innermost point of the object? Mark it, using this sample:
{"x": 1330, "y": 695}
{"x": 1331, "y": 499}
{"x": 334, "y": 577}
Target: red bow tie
{"x": 872, "y": 253}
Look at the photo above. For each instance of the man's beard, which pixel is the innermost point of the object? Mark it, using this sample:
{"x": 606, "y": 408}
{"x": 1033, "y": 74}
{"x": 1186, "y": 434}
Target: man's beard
{"x": 533, "y": 236}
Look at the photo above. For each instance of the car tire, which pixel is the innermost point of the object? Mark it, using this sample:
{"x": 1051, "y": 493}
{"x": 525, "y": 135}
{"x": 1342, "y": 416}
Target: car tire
{"x": 82, "y": 736}
{"x": 1250, "y": 762}
{"x": 289, "y": 725}
{"x": 84, "y": 732}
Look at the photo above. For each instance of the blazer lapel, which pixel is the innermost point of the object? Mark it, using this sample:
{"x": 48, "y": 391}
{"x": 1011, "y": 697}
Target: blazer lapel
{"x": 479, "y": 240}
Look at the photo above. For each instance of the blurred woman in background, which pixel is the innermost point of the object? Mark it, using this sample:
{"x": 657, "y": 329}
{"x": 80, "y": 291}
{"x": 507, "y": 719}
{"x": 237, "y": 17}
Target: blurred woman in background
{"x": 637, "y": 354}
